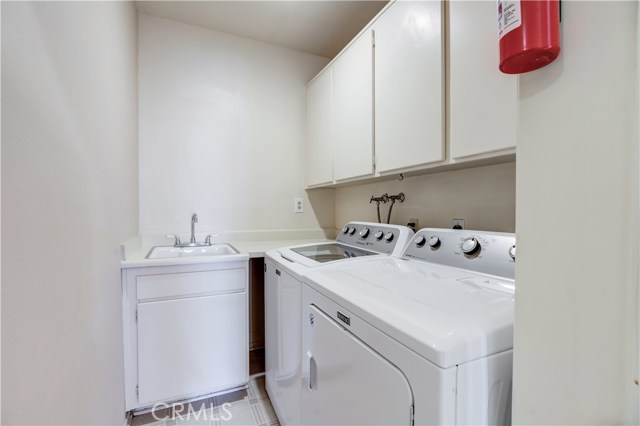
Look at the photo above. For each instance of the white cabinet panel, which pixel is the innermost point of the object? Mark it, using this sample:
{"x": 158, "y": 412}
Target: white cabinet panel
{"x": 409, "y": 85}
{"x": 349, "y": 383}
{"x": 388, "y": 100}
{"x": 352, "y": 99}
{"x": 190, "y": 346}
{"x": 483, "y": 101}
{"x": 318, "y": 155}
{"x": 191, "y": 283}
{"x": 185, "y": 331}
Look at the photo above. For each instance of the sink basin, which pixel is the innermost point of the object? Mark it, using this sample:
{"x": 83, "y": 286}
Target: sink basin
{"x": 166, "y": 252}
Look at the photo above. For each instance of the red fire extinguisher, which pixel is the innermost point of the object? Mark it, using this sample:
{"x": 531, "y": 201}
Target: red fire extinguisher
{"x": 529, "y": 33}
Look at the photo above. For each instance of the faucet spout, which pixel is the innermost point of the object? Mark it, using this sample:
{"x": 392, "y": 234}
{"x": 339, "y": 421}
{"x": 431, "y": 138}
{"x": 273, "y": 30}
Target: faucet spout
{"x": 194, "y": 220}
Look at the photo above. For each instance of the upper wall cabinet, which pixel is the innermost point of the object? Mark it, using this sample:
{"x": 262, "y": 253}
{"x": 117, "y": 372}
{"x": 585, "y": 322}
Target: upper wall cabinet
{"x": 319, "y": 160}
{"x": 385, "y": 113}
{"x": 352, "y": 106}
{"x": 483, "y": 101}
{"x": 409, "y": 86}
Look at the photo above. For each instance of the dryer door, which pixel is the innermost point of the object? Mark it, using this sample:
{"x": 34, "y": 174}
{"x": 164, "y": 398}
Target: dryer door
{"x": 349, "y": 383}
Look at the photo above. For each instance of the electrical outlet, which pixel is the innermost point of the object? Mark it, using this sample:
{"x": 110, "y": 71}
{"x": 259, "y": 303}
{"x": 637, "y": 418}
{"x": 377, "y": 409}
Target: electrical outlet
{"x": 298, "y": 205}
{"x": 458, "y": 224}
{"x": 414, "y": 220}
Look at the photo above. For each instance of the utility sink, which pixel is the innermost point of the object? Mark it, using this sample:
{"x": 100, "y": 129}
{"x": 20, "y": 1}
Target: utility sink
{"x": 166, "y": 252}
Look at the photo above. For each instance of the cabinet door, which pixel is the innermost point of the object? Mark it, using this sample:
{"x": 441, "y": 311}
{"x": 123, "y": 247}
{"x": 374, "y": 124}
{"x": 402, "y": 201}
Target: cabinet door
{"x": 483, "y": 101}
{"x": 352, "y": 99}
{"x": 349, "y": 383}
{"x": 409, "y": 85}
{"x": 191, "y": 346}
{"x": 318, "y": 156}
{"x": 283, "y": 295}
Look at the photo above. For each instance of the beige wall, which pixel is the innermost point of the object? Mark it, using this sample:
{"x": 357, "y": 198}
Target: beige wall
{"x": 69, "y": 198}
{"x": 222, "y": 132}
{"x": 484, "y": 197}
{"x": 576, "y": 318}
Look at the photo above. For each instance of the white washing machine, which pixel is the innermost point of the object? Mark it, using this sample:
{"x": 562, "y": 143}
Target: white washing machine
{"x": 284, "y": 269}
{"x": 426, "y": 338}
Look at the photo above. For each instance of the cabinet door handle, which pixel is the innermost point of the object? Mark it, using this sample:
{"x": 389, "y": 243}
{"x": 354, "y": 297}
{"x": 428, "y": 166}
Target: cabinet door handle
{"x": 313, "y": 372}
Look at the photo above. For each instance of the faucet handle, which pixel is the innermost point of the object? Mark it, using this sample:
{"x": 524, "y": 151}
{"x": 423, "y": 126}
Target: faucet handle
{"x": 207, "y": 240}
{"x": 177, "y": 241}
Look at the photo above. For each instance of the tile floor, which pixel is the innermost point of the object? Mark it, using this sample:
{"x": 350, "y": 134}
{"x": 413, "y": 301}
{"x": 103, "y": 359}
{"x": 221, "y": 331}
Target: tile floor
{"x": 249, "y": 407}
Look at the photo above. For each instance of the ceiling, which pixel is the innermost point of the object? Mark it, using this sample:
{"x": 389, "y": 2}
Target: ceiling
{"x": 318, "y": 27}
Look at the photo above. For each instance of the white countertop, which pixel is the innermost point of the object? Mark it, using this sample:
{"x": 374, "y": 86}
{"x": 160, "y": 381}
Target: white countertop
{"x": 258, "y": 248}
{"x": 247, "y": 249}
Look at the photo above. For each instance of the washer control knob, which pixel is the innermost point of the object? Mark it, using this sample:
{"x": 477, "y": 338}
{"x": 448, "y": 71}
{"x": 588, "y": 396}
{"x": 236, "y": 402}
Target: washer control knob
{"x": 378, "y": 235}
{"x": 420, "y": 240}
{"x": 352, "y": 230}
{"x": 364, "y": 232}
{"x": 345, "y": 229}
{"x": 434, "y": 242}
{"x": 470, "y": 246}
{"x": 512, "y": 252}
{"x": 388, "y": 236}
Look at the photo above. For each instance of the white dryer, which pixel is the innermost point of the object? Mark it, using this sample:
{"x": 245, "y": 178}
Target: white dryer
{"x": 426, "y": 338}
{"x": 284, "y": 269}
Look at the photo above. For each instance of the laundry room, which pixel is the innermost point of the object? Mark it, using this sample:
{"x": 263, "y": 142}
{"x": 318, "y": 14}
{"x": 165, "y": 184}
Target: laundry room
{"x": 244, "y": 212}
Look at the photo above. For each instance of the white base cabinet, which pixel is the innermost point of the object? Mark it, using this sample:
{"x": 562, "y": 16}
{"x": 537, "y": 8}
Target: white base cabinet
{"x": 186, "y": 331}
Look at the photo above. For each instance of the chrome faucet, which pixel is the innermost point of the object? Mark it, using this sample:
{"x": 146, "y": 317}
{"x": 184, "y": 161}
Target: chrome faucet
{"x": 194, "y": 220}
{"x": 192, "y": 242}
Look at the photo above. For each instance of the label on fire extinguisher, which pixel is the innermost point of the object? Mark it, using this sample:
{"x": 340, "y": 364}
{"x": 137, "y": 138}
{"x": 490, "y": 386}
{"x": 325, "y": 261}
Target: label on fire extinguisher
{"x": 509, "y": 17}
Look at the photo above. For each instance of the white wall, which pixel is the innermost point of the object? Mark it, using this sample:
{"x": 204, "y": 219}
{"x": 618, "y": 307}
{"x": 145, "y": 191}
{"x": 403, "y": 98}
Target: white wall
{"x": 576, "y": 334}
{"x": 484, "y": 197}
{"x": 222, "y": 132}
{"x": 69, "y": 198}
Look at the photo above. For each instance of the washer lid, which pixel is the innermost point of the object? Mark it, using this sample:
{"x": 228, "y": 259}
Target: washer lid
{"x": 331, "y": 252}
{"x": 448, "y": 315}
{"x": 318, "y": 254}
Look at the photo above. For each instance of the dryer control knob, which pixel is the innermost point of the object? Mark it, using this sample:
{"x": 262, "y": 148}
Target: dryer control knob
{"x": 352, "y": 230}
{"x": 420, "y": 240}
{"x": 434, "y": 242}
{"x": 512, "y": 252}
{"x": 388, "y": 236}
{"x": 378, "y": 235}
{"x": 364, "y": 232}
{"x": 345, "y": 229}
{"x": 470, "y": 246}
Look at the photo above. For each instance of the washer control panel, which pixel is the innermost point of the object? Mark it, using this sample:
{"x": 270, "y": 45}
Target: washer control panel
{"x": 378, "y": 237}
{"x": 491, "y": 253}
